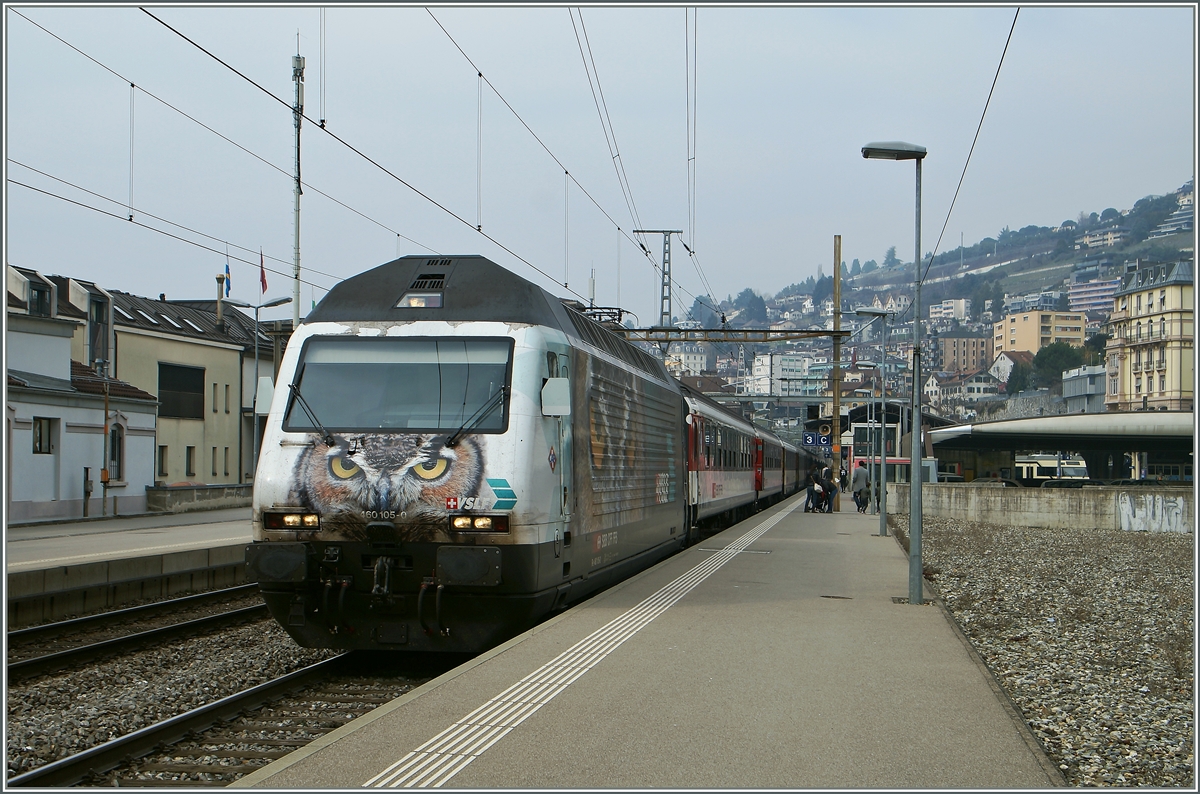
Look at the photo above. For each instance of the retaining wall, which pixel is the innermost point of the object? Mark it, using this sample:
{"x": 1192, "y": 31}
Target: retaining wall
{"x": 65, "y": 590}
{"x": 1144, "y": 509}
{"x": 184, "y": 498}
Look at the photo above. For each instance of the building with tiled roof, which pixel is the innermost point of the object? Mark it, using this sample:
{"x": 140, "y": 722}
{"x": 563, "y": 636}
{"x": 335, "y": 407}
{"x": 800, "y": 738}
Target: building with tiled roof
{"x": 55, "y": 417}
{"x": 193, "y": 357}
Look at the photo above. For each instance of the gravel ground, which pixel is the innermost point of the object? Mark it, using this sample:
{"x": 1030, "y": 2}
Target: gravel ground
{"x": 1091, "y": 634}
{"x": 55, "y": 716}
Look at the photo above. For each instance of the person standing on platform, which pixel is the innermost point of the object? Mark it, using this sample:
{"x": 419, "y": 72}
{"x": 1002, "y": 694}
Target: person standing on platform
{"x": 859, "y": 485}
{"x": 830, "y": 486}
{"x": 814, "y": 478}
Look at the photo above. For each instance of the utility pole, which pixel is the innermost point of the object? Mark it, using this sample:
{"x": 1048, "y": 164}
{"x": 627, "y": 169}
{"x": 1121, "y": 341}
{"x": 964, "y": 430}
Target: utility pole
{"x": 664, "y": 317}
{"x": 836, "y": 441}
{"x": 298, "y": 113}
{"x": 102, "y": 370}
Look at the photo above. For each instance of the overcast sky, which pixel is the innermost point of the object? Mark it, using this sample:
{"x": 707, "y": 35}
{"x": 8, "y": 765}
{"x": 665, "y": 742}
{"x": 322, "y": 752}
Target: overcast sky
{"x": 1094, "y": 107}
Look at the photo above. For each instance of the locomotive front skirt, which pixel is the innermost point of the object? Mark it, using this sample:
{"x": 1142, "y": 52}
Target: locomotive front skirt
{"x": 453, "y": 453}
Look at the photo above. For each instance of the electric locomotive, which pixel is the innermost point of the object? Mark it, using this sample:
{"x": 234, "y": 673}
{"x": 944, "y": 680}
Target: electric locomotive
{"x": 453, "y": 453}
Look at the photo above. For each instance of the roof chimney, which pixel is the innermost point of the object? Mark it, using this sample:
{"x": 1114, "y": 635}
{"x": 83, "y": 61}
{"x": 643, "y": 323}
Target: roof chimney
{"x": 220, "y": 289}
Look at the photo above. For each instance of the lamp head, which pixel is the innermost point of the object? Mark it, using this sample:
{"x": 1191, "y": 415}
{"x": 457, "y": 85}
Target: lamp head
{"x": 893, "y": 150}
{"x": 276, "y": 302}
{"x": 235, "y": 302}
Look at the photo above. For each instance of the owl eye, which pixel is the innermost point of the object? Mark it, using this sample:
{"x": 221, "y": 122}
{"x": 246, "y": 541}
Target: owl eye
{"x": 431, "y": 469}
{"x": 343, "y": 468}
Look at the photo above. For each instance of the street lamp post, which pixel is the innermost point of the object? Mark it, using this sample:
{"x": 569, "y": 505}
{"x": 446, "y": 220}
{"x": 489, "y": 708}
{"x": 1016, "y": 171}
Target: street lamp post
{"x": 898, "y": 150}
{"x": 881, "y": 315}
{"x": 254, "y": 398}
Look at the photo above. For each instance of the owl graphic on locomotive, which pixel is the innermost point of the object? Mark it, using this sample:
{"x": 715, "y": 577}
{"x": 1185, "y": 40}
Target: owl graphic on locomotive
{"x": 453, "y": 453}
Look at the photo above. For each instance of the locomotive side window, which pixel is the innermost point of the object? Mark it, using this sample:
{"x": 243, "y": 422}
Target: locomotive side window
{"x": 393, "y": 383}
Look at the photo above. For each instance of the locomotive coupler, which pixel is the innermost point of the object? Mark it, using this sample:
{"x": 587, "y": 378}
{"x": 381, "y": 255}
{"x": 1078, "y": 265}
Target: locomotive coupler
{"x": 383, "y": 576}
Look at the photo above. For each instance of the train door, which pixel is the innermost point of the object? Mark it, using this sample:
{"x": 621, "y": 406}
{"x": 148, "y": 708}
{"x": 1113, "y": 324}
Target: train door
{"x": 560, "y": 459}
{"x": 758, "y": 466}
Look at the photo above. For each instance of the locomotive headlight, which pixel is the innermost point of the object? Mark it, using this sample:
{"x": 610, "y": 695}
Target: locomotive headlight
{"x": 295, "y": 520}
{"x": 479, "y": 523}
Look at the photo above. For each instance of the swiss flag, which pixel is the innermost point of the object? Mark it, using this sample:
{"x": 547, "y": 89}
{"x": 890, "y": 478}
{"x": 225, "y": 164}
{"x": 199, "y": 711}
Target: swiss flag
{"x": 451, "y": 502}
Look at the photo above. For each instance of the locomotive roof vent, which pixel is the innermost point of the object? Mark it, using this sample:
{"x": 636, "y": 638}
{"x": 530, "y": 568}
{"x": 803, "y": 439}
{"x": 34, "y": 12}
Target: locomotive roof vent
{"x": 437, "y": 263}
{"x": 429, "y": 281}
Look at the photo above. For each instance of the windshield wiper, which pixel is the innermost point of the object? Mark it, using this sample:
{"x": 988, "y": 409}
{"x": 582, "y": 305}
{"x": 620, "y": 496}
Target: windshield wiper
{"x": 326, "y": 436}
{"x": 477, "y": 417}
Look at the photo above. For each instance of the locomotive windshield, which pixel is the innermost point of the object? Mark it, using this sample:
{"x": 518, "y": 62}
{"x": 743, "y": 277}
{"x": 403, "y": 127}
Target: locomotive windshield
{"x": 401, "y": 383}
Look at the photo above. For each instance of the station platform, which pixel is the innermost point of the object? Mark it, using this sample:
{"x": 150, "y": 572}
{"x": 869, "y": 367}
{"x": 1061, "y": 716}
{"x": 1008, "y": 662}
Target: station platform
{"x": 67, "y": 568}
{"x": 771, "y": 655}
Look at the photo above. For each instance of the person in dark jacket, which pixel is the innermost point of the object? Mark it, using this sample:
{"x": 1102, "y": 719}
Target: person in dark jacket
{"x": 859, "y": 486}
{"x": 830, "y": 487}
{"x": 811, "y": 480}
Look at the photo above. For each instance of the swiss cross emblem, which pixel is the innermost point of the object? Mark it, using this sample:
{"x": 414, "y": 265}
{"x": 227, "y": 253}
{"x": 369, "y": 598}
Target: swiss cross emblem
{"x": 451, "y": 502}
{"x": 553, "y": 459}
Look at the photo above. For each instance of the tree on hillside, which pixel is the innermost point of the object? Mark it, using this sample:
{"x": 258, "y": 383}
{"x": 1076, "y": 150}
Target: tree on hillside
{"x": 1054, "y": 359}
{"x": 1019, "y": 378}
{"x": 997, "y": 306}
{"x": 855, "y": 268}
{"x": 1093, "y": 349}
{"x": 1110, "y": 214}
{"x": 823, "y": 289}
{"x": 869, "y": 266}
{"x": 704, "y": 312}
{"x": 753, "y": 307}
{"x": 1148, "y": 213}
{"x": 890, "y": 260}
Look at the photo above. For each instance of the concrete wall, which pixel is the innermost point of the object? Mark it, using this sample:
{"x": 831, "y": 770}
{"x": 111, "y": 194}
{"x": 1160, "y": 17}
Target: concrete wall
{"x": 55, "y": 593}
{"x": 1145, "y": 509}
{"x": 185, "y": 498}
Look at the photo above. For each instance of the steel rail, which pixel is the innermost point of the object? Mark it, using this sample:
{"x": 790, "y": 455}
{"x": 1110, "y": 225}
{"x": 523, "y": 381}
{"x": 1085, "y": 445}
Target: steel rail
{"x": 89, "y": 621}
{"x": 39, "y": 665}
{"x": 104, "y": 757}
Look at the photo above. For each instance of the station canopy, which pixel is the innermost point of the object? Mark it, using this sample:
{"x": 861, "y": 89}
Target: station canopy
{"x": 1132, "y": 431}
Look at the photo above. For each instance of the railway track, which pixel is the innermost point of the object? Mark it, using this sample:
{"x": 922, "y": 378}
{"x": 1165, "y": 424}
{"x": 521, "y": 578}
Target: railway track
{"x": 216, "y": 744}
{"x": 55, "y": 646}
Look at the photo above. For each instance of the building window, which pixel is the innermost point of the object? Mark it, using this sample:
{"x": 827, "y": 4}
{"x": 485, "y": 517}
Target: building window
{"x": 226, "y": 398}
{"x": 1162, "y": 328}
{"x": 1137, "y": 385}
{"x": 226, "y": 461}
{"x": 98, "y": 330}
{"x": 189, "y": 457}
{"x": 1112, "y": 386}
{"x": 43, "y": 429}
{"x": 1162, "y": 382}
{"x": 116, "y": 452}
{"x": 214, "y": 461}
{"x": 162, "y": 460}
{"x": 214, "y": 400}
{"x": 39, "y": 300}
{"x": 180, "y": 391}
{"x": 1139, "y": 304}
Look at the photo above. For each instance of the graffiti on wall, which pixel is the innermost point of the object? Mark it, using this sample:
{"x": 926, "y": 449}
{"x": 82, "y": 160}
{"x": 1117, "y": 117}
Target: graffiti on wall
{"x": 1153, "y": 513}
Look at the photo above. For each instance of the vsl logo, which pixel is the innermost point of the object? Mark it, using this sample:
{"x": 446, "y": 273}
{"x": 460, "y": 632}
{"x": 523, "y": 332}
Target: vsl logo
{"x": 506, "y": 497}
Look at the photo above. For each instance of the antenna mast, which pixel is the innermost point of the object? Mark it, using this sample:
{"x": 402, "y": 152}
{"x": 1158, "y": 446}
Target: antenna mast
{"x": 298, "y": 113}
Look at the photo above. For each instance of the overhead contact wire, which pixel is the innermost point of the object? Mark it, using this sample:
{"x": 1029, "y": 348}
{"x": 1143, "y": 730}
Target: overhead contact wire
{"x": 223, "y": 137}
